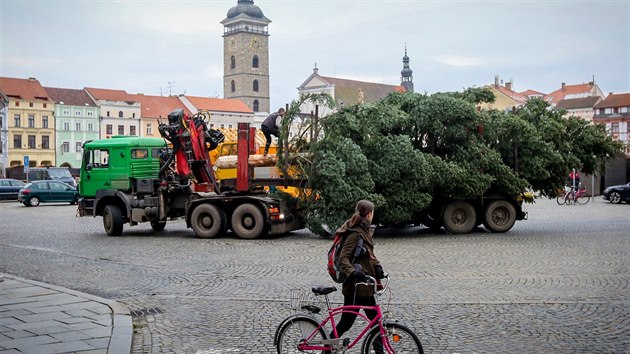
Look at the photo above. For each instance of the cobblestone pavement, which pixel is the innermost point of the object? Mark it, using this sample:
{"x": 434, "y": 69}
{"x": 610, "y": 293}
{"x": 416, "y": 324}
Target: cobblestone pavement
{"x": 556, "y": 283}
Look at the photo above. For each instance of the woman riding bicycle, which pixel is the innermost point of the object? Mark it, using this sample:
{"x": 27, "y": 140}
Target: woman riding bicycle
{"x": 357, "y": 263}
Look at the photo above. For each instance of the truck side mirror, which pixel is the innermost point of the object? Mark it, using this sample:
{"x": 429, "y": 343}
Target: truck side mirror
{"x": 88, "y": 167}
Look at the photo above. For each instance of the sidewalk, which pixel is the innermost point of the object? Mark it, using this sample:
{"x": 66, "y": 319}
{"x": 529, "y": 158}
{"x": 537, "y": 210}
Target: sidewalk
{"x": 41, "y": 318}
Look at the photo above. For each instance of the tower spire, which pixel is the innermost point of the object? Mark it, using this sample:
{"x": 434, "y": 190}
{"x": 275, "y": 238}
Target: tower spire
{"x": 406, "y": 73}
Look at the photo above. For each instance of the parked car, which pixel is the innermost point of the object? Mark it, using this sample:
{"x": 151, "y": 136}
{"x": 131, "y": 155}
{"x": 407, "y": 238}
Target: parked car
{"x": 617, "y": 194}
{"x": 47, "y": 192}
{"x": 9, "y": 188}
{"x": 52, "y": 173}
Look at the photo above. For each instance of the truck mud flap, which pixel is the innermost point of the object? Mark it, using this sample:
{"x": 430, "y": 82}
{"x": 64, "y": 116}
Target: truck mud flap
{"x": 86, "y": 207}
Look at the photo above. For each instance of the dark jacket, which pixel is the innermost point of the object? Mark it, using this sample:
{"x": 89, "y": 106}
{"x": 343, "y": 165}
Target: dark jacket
{"x": 270, "y": 123}
{"x": 366, "y": 259}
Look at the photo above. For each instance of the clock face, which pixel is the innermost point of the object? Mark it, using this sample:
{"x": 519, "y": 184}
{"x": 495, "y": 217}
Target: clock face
{"x": 232, "y": 44}
{"x": 254, "y": 43}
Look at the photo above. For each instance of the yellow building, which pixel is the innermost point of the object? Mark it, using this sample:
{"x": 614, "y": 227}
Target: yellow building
{"x": 31, "y": 122}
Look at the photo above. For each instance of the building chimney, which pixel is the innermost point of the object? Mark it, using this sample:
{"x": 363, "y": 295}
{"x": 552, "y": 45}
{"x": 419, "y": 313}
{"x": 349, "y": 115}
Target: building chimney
{"x": 564, "y": 86}
{"x": 315, "y": 69}
{"x": 508, "y": 85}
{"x": 32, "y": 79}
{"x": 496, "y": 80}
{"x": 610, "y": 94}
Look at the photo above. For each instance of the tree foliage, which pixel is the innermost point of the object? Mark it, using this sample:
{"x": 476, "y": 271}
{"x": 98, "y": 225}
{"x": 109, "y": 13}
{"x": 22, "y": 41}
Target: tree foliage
{"x": 407, "y": 149}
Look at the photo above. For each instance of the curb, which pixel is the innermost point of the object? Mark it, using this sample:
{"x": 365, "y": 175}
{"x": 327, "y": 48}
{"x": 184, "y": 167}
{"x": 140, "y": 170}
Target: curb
{"x": 122, "y": 327}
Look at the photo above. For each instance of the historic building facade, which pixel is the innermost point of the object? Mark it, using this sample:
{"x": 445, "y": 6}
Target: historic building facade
{"x": 246, "y": 56}
{"x": 31, "y": 122}
{"x": 119, "y": 112}
{"x": 4, "y": 134}
{"x": 76, "y": 121}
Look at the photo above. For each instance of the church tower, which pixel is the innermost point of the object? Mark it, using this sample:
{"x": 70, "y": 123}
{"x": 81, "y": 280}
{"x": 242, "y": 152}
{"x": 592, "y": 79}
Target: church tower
{"x": 246, "y": 55}
{"x": 406, "y": 74}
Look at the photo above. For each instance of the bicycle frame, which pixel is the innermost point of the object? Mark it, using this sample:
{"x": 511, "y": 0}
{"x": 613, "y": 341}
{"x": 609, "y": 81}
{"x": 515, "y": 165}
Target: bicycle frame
{"x": 355, "y": 309}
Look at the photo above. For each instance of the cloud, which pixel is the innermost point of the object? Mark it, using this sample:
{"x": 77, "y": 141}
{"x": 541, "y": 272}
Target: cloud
{"x": 460, "y": 60}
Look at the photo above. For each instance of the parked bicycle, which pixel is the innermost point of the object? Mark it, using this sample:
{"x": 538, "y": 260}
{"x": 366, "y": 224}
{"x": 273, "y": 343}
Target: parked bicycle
{"x": 571, "y": 196}
{"x": 304, "y": 333}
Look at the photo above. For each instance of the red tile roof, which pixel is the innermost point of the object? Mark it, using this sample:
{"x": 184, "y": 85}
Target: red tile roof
{"x": 219, "y": 104}
{"x": 575, "y": 103}
{"x": 158, "y": 106}
{"x": 70, "y": 97}
{"x": 615, "y": 100}
{"x": 560, "y": 94}
{"x": 109, "y": 95}
{"x": 26, "y": 89}
{"x": 532, "y": 93}
{"x": 518, "y": 97}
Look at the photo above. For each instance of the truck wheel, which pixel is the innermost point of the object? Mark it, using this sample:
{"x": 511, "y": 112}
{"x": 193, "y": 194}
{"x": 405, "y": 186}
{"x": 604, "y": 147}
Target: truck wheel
{"x": 247, "y": 221}
{"x": 499, "y": 216}
{"x": 158, "y": 226}
{"x": 113, "y": 220}
{"x": 459, "y": 217}
{"x": 208, "y": 221}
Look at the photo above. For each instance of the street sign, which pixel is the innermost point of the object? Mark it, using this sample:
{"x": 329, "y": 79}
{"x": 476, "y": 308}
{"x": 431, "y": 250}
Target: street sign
{"x": 26, "y": 162}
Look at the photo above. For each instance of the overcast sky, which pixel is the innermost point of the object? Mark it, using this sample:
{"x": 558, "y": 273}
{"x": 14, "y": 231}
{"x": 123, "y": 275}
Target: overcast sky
{"x": 141, "y": 46}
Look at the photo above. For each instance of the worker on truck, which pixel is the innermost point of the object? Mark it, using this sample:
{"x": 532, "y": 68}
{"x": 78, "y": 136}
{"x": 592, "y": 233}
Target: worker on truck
{"x": 271, "y": 126}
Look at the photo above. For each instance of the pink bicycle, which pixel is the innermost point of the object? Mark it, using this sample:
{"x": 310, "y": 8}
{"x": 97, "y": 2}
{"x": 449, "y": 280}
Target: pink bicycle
{"x": 304, "y": 333}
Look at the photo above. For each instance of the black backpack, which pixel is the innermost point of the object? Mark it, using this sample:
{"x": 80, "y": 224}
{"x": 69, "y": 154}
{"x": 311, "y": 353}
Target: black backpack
{"x": 334, "y": 266}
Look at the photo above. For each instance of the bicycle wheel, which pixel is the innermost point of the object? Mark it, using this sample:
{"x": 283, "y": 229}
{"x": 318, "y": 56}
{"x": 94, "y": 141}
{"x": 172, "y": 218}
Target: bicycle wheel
{"x": 401, "y": 339}
{"x": 583, "y": 199}
{"x": 297, "y": 330}
{"x": 561, "y": 199}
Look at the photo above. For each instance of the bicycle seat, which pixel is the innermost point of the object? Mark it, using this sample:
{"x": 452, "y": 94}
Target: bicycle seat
{"x": 323, "y": 290}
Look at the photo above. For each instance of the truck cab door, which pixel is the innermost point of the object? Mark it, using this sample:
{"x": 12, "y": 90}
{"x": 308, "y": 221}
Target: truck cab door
{"x": 95, "y": 172}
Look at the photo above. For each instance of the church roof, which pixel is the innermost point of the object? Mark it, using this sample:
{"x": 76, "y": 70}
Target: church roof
{"x": 245, "y": 10}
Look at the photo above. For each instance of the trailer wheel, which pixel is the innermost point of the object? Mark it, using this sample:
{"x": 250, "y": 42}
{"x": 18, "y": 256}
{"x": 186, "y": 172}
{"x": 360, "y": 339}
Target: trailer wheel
{"x": 208, "y": 221}
{"x": 158, "y": 226}
{"x": 459, "y": 217}
{"x": 248, "y": 221}
{"x": 500, "y": 216}
{"x": 113, "y": 220}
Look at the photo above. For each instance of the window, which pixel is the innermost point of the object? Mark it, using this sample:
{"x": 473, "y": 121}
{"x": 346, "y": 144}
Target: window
{"x": 624, "y": 110}
{"x": 233, "y": 86}
{"x": 132, "y": 130}
{"x": 255, "y": 105}
{"x": 65, "y": 147}
{"x": 614, "y": 128}
{"x": 77, "y": 146}
{"x": 232, "y": 62}
{"x": 66, "y": 125}
{"x": 149, "y": 129}
{"x": 30, "y": 104}
{"x": 229, "y": 126}
{"x": 17, "y": 104}
{"x": 133, "y": 115}
{"x": 255, "y": 86}
{"x": 120, "y": 114}
{"x": 31, "y": 121}
{"x": 607, "y": 110}
{"x": 108, "y": 129}
{"x": 17, "y": 141}
{"x": 121, "y": 130}
{"x": 31, "y": 141}
{"x": 45, "y": 142}
{"x": 65, "y": 113}
{"x": 222, "y": 126}
{"x": 139, "y": 153}
{"x": 77, "y": 126}
{"x": 90, "y": 114}
{"x": 45, "y": 105}
{"x": 98, "y": 159}
{"x": 90, "y": 127}
{"x": 77, "y": 113}
{"x": 17, "y": 121}
{"x": 616, "y": 110}
{"x": 44, "y": 121}
{"x": 255, "y": 62}
{"x": 108, "y": 113}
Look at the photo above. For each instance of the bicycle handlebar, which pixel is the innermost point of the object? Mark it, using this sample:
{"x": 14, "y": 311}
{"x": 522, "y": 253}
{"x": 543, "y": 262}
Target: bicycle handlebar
{"x": 371, "y": 281}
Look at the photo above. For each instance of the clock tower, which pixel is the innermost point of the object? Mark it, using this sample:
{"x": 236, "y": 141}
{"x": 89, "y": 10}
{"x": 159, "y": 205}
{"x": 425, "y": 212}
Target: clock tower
{"x": 246, "y": 55}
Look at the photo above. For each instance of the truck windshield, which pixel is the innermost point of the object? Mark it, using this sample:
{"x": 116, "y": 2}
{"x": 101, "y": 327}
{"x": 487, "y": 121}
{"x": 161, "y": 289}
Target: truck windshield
{"x": 57, "y": 173}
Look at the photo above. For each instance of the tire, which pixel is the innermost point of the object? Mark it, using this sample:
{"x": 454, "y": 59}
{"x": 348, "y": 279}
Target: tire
{"x": 401, "y": 339}
{"x": 459, "y": 217}
{"x": 113, "y": 220}
{"x": 33, "y": 201}
{"x": 248, "y": 221}
{"x": 614, "y": 197}
{"x": 583, "y": 199}
{"x": 158, "y": 226}
{"x": 500, "y": 216}
{"x": 208, "y": 221}
{"x": 294, "y": 331}
{"x": 561, "y": 200}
